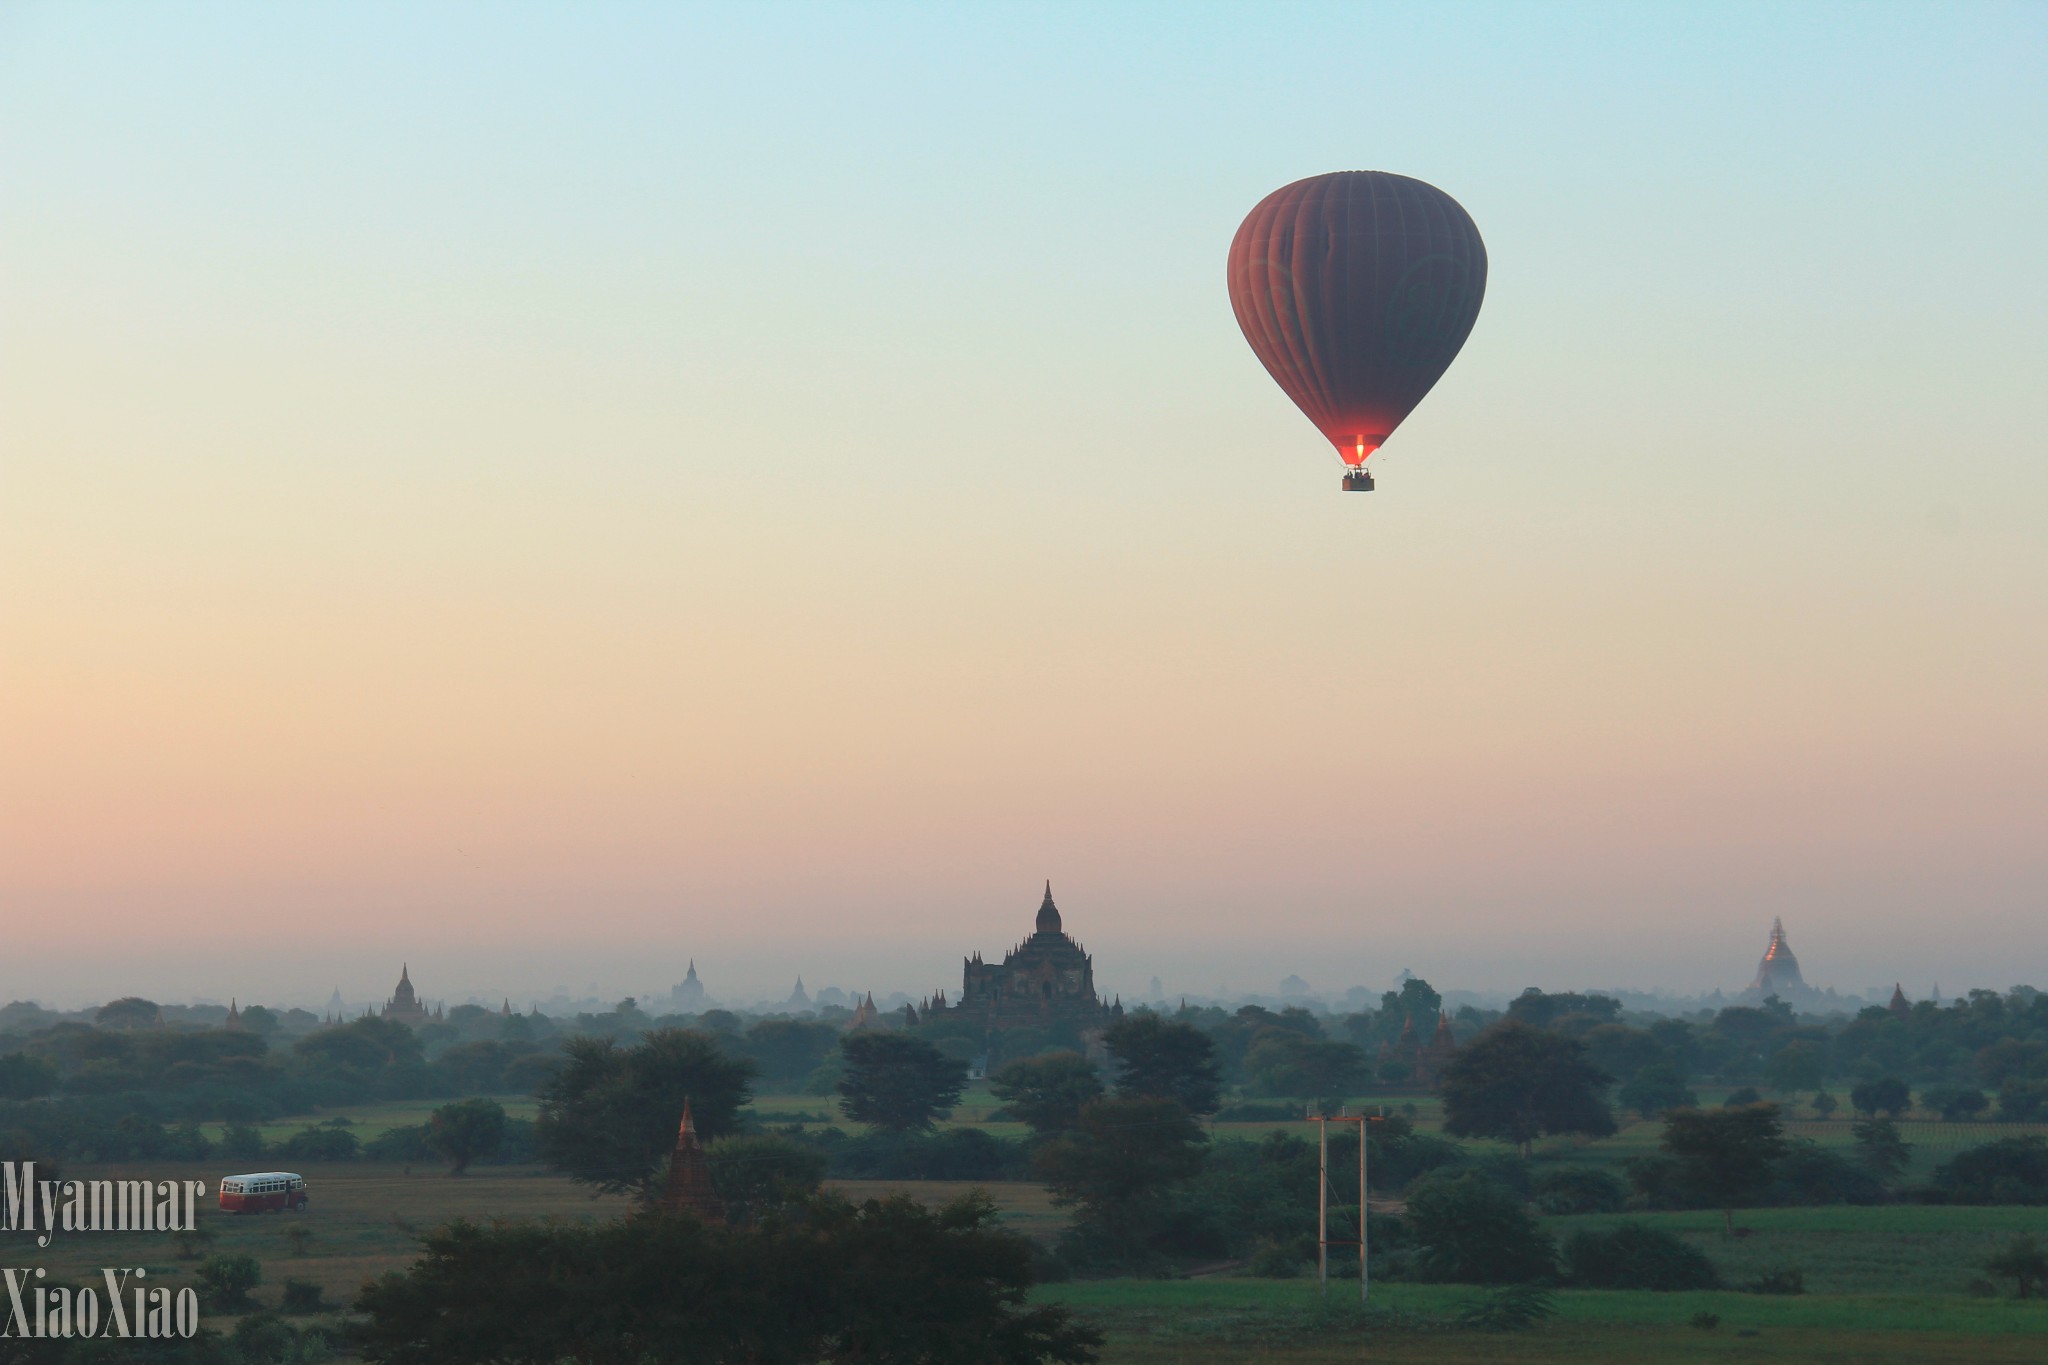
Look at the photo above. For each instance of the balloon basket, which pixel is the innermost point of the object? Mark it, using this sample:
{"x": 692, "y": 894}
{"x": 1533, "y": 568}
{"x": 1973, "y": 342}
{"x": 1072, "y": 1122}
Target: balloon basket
{"x": 1358, "y": 481}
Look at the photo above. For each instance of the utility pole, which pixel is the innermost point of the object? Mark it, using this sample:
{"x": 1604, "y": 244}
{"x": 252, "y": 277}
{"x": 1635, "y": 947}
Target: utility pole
{"x": 1322, "y": 1123}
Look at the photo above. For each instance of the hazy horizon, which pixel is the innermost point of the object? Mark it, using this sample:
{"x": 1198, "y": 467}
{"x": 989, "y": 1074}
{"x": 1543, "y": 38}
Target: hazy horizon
{"x": 545, "y": 493}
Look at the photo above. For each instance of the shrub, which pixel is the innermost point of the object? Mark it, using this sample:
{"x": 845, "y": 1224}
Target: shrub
{"x": 320, "y": 1144}
{"x": 1579, "y": 1189}
{"x": 2022, "y": 1101}
{"x": 225, "y": 1281}
{"x": 1807, "y": 1173}
{"x": 399, "y": 1144}
{"x": 1706, "y": 1322}
{"x": 240, "y": 1142}
{"x": 1470, "y": 1230}
{"x": 1636, "y": 1256}
{"x": 2023, "y": 1262}
{"x": 1513, "y": 1309}
{"x": 302, "y": 1296}
{"x": 2009, "y": 1171}
{"x": 1956, "y": 1103}
{"x": 1780, "y": 1280}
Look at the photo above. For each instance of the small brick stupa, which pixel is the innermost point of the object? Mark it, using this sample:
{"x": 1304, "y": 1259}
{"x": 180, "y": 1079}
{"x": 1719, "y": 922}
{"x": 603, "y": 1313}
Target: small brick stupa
{"x": 690, "y": 1190}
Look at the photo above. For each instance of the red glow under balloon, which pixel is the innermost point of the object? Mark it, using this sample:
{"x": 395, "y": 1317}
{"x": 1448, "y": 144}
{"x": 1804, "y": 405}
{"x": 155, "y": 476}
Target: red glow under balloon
{"x": 1356, "y": 290}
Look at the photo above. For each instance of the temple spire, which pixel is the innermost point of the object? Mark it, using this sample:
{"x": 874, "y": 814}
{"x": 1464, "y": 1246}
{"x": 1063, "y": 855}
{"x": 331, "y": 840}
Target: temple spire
{"x": 1048, "y": 913}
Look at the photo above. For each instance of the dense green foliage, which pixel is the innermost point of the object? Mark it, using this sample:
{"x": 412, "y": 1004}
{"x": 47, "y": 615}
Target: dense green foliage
{"x": 889, "y": 1282}
{"x": 466, "y": 1131}
{"x": 1472, "y": 1230}
{"x": 1636, "y": 1256}
{"x": 1517, "y": 1083}
{"x": 1046, "y": 1093}
{"x": 609, "y": 1116}
{"x": 1165, "y": 1059}
{"x": 897, "y": 1082}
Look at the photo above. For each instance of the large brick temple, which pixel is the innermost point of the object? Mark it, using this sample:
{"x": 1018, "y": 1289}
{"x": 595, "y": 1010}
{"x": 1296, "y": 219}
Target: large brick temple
{"x": 1046, "y": 979}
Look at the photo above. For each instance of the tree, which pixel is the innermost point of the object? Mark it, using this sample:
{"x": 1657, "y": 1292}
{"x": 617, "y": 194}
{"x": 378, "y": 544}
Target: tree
{"x": 1725, "y": 1154}
{"x": 259, "y": 1019}
{"x": 1165, "y": 1059}
{"x": 889, "y": 1282}
{"x": 1047, "y": 1093}
{"x": 466, "y": 1131}
{"x": 1956, "y": 1103}
{"x": 1515, "y": 1083}
{"x": 758, "y": 1173}
{"x": 897, "y": 1082}
{"x": 1118, "y": 1164}
{"x": 1793, "y": 1067}
{"x": 225, "y": 1281}
{"x": 23, "y": 1077}
{"x": 130, "y": 1011}
{"x": 1471, "y": 1230}
{"x": 1283, "y": 1062}
{"x": 2023, "y": 1262}
{"x": 1825, "y": 1104}
{"x": 608, "y": 1117}
{"x": 787, "y": 1050}
{"x": 2022, "y": 1101}
{"x": 1880, "y": 1148}
{"x": 1887, "y": 1096}
{"x": 1656, "y": 1088}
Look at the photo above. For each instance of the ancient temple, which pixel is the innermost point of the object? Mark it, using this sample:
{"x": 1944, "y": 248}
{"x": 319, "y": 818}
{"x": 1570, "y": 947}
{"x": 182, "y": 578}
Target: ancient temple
{"x": 689, "y": 992}
{"x": 1900, "y": 1007}
{"x": 1428, "y": 1059}
{"x": 1778, "y": 973}
{"x": 404, "y": 1006}
{"x": 689, "y": 1190}
{"x": 1046, "y": 979}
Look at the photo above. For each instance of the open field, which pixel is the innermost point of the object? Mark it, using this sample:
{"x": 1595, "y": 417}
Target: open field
{"x": 1276, "y": 1322}
{"x": 1888, "y": 1283}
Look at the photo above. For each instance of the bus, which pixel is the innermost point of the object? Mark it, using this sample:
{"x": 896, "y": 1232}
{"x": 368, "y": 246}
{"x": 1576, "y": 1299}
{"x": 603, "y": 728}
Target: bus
{"x": 263, "y": 1192}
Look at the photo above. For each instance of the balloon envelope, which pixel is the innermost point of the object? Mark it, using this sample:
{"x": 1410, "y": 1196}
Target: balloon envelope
{"x": 1355, "y": 290}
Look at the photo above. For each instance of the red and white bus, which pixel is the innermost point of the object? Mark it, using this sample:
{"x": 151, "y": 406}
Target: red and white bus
{"x": 264, "y": 1192}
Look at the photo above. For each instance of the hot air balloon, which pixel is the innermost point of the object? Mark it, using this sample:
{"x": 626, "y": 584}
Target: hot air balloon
{"x": 1356, "y": 290}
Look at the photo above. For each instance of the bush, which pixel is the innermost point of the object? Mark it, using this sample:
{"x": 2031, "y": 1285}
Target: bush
{"x": 302, "y": 1296}
{"x": 399, "y": 1144}
{"x": 240, "y": 1143}
{"x": 1513, "y": 1309}
{"x": 1636, "y": 1256}
{"x": 952, "y": 1154}
{"x": 1781, "y": 1280}
{"x": 2023, "y": 1101}
{"x": 225, "y": 1281}
{"x": 1955, "y": 1103}
{"x": 1579, "y": 1189}
{"x": 2009, "y": 1171}
{"x": 320, "y": 1144}
{"x": 1807, "y": 1173}
{"x": 1470, "y": 1230}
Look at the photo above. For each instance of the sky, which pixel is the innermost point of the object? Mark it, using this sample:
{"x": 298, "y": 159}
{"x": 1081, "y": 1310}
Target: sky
{"x": 548, "y": 492}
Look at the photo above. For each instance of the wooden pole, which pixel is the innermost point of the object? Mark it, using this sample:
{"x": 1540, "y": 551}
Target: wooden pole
{"x": 1364, "y": 1287}
{"x": 1323, "y": 1207}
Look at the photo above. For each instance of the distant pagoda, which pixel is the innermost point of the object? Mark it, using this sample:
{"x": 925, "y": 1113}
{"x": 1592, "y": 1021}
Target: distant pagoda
{"x": 1778, "y": 973}
{"x": 404, "y": 1005}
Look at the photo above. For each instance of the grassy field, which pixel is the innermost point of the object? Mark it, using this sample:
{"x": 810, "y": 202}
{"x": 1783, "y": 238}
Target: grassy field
{"x": 1887, "y": 1284}
{"x": 1884, "y": 1284}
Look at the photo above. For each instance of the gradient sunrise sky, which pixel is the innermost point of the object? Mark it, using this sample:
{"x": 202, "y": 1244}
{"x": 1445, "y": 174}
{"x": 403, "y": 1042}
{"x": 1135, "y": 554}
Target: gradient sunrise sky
{"x": 548, "y": 491}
